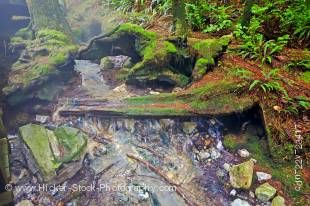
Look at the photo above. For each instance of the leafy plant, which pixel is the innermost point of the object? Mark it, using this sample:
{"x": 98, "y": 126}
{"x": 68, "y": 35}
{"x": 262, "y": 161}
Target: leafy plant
{"x": 254, "y": 45}
{"x": 270, "y": 83}
{"x": 208, "y": 17}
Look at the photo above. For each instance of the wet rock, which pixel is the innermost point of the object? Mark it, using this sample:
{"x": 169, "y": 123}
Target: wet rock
{"x": 241, "y": 175}
{"x": 50, "y": 149}
{"x": 204, "y": 155}
{"x": 239, "y": 202}
{"x": 243, "y": 153}
{"x": 265, "y": 192}
{"x": 278, "y": 201}
{"x": 25, "y": 203}
{"x": 215, "y": 154}
{"x": 189, "y": 127}
{"x": 106, "y": 63}
{"x": 262, "y": 176}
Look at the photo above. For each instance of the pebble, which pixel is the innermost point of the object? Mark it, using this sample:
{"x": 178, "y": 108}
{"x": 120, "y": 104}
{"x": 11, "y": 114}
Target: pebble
{"x": 226, "y": 166}
{"x": 204, "y": 155}
{"x": 233, "y": 192}
{"x": 239, "y": 202}
{"x": 243, "y": 153}
{"x": 215, "y": 153}
{"x": 252, "y": 195}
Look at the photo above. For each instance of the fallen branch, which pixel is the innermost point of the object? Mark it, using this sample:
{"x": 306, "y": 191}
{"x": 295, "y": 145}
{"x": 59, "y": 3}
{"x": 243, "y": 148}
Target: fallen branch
{"x": 158, "y": 172}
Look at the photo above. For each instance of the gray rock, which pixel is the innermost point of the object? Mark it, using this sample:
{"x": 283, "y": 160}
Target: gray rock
{"x": 215, "y": 154}
{"x": 226, "y": 166}
{"x": 243, "y": 153}
{"x": 204, "y": 155}
{"x": 239, "y": 202}
{"x": 262, "y": 176}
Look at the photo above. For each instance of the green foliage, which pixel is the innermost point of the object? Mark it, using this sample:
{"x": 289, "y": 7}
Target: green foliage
{"x": 255, "y": 46}
{"x": 270, "y": 83}
{"x": 53, "y": 37}
{"x": 242, "y": 73}
{"x": 306, "y": 76}
{"x": 208, "y": 17}
{"x": 297, "y": 18}
{"x": 303, "y": 65}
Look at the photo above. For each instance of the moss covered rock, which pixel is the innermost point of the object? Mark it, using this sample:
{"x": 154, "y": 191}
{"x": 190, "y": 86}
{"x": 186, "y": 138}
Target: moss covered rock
{"x": 156, "y": 61}
{"x": 241, "y": 175}
{"x": 265, "y": 192}
{"x": 106, "y": 63}
{"x": 46, "y": 56}
{"x": 50, "y": 149}
{"x": 278, "y": 201}
{"x": 207, "y": 51}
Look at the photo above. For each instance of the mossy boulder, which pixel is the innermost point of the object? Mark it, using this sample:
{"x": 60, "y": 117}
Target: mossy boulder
{"x": 72, "y": 142}
{"x": 50, "y": 149}
{"x": 207, "y": 51}
{"x": 48, "y": 55}
{"x": 265, "y": 192}
{"x": 241, "y": 175}
{"x": 278, "y": 201}
{"x": 156, "y": 61}
{"x": 106, "y": 63}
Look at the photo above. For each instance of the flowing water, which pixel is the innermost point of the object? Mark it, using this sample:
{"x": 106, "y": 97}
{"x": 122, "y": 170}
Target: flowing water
{"x": 151, "y": 161}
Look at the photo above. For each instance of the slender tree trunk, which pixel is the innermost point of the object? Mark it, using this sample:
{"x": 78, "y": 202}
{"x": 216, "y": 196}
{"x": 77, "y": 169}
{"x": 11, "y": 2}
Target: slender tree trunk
{"x": 179, "y": 15}
{"x": 47, "y": 14}
{"x": 247, "y": 13}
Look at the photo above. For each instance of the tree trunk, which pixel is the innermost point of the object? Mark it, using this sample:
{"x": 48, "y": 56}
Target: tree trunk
{"x": 179, "y": 15}
{"x": 47, "y": 14}
{"x": 247, "y": 13}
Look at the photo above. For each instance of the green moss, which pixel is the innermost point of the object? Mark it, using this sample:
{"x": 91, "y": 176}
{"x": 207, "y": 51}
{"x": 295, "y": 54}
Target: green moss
{"x": 165, "y": 98}
{"x": 137, "y": 30}
{"x": 73, "y": 142}
{"x": 231, "y": 142}
{"x": 169, "y": 47}
{"x": 202, "y": 66}
{"x": 58, "y": 45}
{"x": 53, "y": 35}
{"x": 51, "y": 149}
{"x": 154, "y": 111}
{"x": 305, "y": 76}
{"x": 58, "y": 58}
{"x": 35, "y": 136}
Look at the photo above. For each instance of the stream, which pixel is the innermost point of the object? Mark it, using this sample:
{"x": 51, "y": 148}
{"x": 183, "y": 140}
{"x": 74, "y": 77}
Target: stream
{"x": 131, "y": 161}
